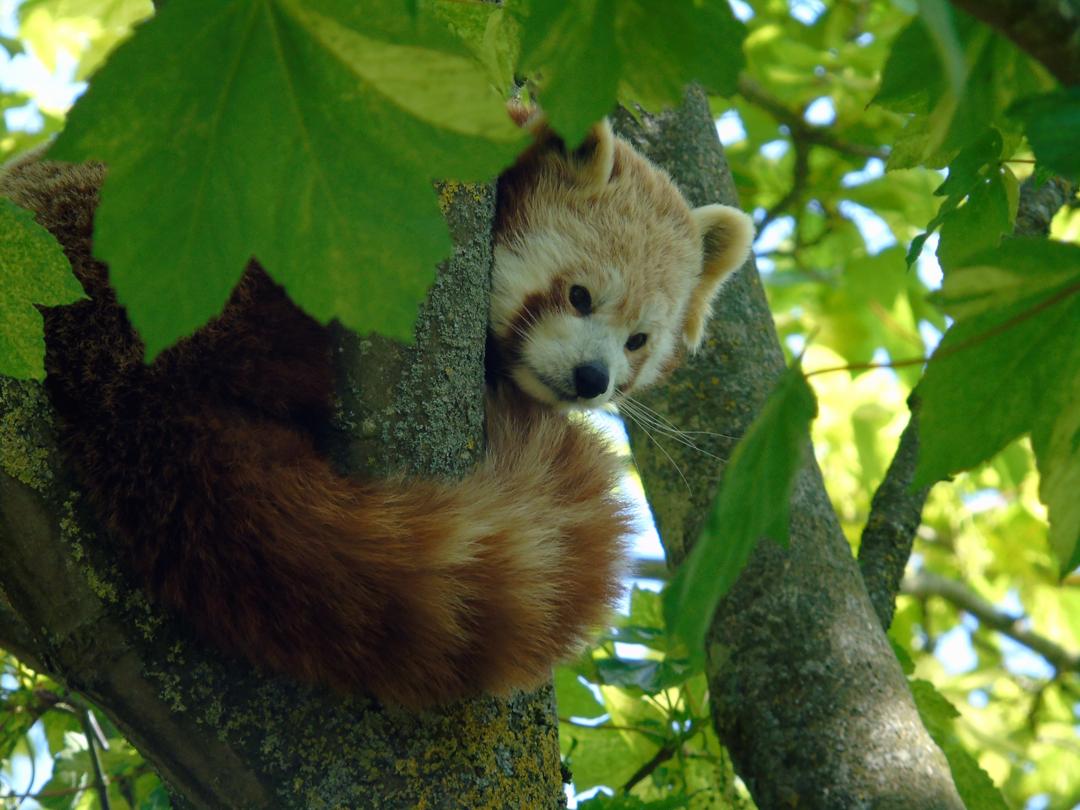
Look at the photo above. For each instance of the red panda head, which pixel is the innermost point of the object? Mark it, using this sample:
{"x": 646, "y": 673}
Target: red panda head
{"x": 603, "y": 273}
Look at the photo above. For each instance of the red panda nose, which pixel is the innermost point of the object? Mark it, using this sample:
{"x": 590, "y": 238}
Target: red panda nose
{"x": 590, "y": 380}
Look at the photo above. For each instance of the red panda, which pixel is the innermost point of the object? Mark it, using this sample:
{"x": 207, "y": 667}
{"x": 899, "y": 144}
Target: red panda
{"x": 204, "y": 463}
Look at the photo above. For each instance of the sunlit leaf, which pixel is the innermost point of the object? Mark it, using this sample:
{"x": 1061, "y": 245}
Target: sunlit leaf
{"x": 1055, "y": 437}
{"x": 623, "y": 802}
{"x": 86, "y": 30}
{"x": 490, "y": 32}
{"x": 972, "y": 782}
{"x": 1010, "y": 365}
{"x": 305, "y": 134}
{"x": 574, "y": 698}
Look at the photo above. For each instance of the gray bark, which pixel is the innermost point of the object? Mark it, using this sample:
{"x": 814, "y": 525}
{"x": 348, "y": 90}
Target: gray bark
{"x": 806, "y": 692}
{"x": 895, "y": 514}
{"x": 221, "y": 735}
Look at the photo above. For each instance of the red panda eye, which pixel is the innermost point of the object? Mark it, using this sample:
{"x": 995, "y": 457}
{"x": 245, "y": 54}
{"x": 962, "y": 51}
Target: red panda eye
{"x": 636, "y": 341}
{"x": 580, "y": 299}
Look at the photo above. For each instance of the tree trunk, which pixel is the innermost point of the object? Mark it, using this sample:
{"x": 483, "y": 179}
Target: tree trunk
{"x": 221, "y": 735}
{"x": 806, "y": 692}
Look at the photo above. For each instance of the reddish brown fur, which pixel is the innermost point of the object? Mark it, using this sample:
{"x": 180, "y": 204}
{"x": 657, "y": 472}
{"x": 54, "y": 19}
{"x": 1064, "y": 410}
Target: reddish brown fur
{"x": 533, "y": 308}
{"x": 203, "y": 465}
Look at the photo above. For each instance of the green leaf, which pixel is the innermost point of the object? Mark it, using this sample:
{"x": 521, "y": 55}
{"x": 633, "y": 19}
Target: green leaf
{"x": 1009, "y": 365}
{"x": 33, "y": 270}
{"x": 489, "y": 32}
{"x": 650, "y": 676}
{"x": 912, "y": 79}
{"x": 949, "y": 116}
{"x": 666, "y": 47}
{"x": 646, "y": 607}
{"x": 57, "y": 724}
{"x": 590, "y": 52}
{"x": 157, "y": 800}
{"x": 305, "y": 134}
{"x": 13, "y": 46}
{"x": 1051, "y": 122}
{"x": 574, "y": 698}
{"x": 601, "y": 756}
{"x": 752, "y": 502}
{"x": 972, "y": 782}
{"x": 1056, "y": 441}
{"x": 573, "y": 45}
{"x": 654, "y": 637}
{"x": 979, "y": 224}
{"x": 971, "y": 165}
{"x": 974, "y": 166}
{"x": 902, "y": 656}
{"x": 937, "y": 15}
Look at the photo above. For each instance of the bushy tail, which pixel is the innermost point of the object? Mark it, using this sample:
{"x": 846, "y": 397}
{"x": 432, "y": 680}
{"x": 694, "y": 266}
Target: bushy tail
{"x": 419, "y": 591}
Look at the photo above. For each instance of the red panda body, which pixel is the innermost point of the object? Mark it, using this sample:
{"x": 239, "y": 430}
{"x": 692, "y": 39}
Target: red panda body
{"x": 204, "y": 465}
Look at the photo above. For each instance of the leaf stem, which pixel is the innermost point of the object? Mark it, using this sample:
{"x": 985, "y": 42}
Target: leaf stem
{"x": 963, "y": 345}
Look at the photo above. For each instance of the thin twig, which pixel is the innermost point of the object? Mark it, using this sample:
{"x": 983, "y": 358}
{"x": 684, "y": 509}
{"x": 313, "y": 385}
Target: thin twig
{"x": 648, "y": 732}
{"x": 800, "y": 130}
{"x": 963, "y": 345}
{"x": 92, "y": 730}
{"x": 925, "y": 584}
{"x": 666, "y": 752}
{"x": 800, "y": 174}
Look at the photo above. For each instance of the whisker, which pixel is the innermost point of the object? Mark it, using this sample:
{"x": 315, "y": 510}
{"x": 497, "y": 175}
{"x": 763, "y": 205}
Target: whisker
{"x": 641, "y": 419}
{"x": 662, "y": 449}
{"x": 661, "y": 419}
{"x": 664, "y": 420}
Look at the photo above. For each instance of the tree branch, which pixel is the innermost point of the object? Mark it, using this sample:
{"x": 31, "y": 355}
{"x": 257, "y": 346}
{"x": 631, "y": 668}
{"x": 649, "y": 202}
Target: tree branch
{"x": 1039, "y": 204}
{"x": 895, "y": 514}
{"x": 800, "y": 130}
{"x": 800, "y": 173}
{"x": 1048, "y": 30}
{"x": 662, "y": 755}
{"x": 797, "y": 659}
{"x": 926, "y": 584}
{"x": 15, "y": 636}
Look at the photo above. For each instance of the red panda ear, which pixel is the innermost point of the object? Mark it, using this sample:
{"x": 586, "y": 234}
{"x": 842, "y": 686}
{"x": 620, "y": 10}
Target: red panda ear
{"x": 726, "y": 234}
{"x": 594, "y": 159}
{"x": 520, "y": 112}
